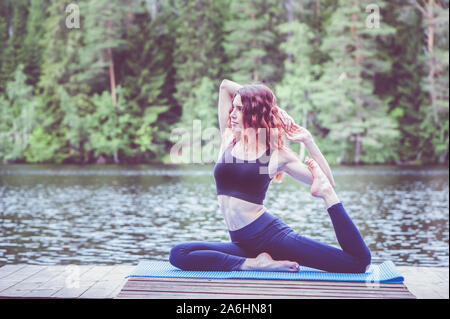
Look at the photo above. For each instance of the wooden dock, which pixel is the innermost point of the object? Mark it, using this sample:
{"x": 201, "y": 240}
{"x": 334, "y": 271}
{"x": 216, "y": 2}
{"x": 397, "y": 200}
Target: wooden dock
{"x": 33, "y": 281}
{"x": 179, "y": 288}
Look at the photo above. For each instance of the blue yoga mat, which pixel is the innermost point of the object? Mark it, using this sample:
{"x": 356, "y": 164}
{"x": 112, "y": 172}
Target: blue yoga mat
{"x": 385, "y": 272}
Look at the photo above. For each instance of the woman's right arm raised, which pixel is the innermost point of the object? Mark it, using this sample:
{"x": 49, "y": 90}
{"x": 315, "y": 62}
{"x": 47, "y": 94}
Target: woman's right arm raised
{"x": 227, "y": 90}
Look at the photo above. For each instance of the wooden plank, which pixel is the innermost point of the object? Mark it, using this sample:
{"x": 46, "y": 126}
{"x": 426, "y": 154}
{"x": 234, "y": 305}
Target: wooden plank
{"x": 51, "y": 280}
{"x": 57, "y": 286}
{"x": 18, "y": 282}
{"x": 122, "y": 273}
{"x": 22, "y": 273}
{"x": 442, "y": 273}
{"x": 199, "y": 295}
{"x": 284, "y": 292}
{"x": 187, "y": 296}
{"x": 86, "y": 280}
{"x": 47, "y": 273}
{"x": 425, "y": 282}
{"x": 263, "y": 282}
{"x": 236, "y": 285}
{"x": 162, "y": 295}
{"x": 308, "y": 289}
{"x": 59, "y": 280}
{"x": 22, "y": 287}
{"x": 103, "y": 287}
{"x": 157, "y": 295}
{"x": 6, "y": 270}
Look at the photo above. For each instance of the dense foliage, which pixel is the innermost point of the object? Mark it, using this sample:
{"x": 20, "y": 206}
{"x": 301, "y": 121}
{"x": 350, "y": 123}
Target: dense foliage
{"x": 108, "y": 81}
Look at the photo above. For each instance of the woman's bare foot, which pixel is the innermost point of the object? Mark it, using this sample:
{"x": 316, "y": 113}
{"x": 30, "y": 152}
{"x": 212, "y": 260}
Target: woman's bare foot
{"x": 264, "y": 262}
{"x": 321, "y": 186}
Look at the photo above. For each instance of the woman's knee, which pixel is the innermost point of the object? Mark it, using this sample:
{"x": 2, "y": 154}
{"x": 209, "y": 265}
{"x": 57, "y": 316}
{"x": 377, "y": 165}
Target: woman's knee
{"x": 364, "y": 261}
{"x": 178, "y": 255}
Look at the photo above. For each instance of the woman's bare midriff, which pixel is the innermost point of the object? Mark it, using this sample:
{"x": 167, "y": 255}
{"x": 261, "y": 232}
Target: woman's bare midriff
{"x": 238, "y": 213}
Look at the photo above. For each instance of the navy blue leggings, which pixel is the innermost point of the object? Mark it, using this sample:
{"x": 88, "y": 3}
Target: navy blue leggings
{"x": 269, "y": 234}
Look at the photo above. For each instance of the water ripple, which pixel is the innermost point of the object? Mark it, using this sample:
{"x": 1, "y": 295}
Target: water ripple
{"x": 94, "y": 215}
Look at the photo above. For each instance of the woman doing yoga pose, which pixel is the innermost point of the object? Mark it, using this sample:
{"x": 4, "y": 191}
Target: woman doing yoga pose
{"x": 252, "y": 154}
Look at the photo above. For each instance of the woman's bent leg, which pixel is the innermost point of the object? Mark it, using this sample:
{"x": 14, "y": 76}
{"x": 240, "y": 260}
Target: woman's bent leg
{"x": 353, "y": 258}
{"x": 347, "y": 234}
{"x": 207, "y": 256}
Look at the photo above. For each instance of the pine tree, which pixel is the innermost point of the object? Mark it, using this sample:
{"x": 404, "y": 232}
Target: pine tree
{"x": 252, "y": 41}
{"x": 19, "y": 31}
{"x": 65, "y": 99}
{"x": 198, "y": 60}
{"x": 356, "y": 117}
{"x": 3, "y": 43}
{"x": 13, "y": 19}
{"x": 198, "y": 47}
{"x": 303, "y": 33}
{"x": 436, "y": 63}
{"x": 298, "y": 81}
{"x": 421, "y": 71}
{"x": 404, "y": 79}
{"x": 17, "y": 113}
{"x": 7, "y": 61}
{"x": 109, "y": 127}
{"x": 33, "y": 49}
{"x": 144, "y": 73}
{"x": 43, "y": 147}
{"x": 103, "y": 32}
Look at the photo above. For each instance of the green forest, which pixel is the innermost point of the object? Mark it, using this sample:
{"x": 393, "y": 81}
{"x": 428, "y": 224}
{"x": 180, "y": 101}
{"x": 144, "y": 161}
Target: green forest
{"x": 107, "y": 81}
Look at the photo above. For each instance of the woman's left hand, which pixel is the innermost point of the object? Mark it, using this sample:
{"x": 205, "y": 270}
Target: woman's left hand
{"x": 299, "y": 134}
{"x": 286, "y": 119}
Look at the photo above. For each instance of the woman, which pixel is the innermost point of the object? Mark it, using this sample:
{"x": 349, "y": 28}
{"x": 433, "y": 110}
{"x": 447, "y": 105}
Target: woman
{"x": 252, "y": 154}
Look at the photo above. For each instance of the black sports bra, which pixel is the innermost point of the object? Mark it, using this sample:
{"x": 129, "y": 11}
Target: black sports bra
{"x": 247, "y": 180}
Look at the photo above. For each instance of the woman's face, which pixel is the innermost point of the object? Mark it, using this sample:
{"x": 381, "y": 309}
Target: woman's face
{"x": 236, "y": 115}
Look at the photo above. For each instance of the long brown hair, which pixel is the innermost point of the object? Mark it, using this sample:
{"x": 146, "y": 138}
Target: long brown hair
{"x": 260, "y": 112}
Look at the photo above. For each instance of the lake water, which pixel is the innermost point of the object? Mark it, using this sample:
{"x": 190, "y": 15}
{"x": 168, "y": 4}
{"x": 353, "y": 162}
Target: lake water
{"x": 103, "y": 215}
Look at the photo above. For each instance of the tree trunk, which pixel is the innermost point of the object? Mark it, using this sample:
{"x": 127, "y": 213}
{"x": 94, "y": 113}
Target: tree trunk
{"x": 442, "y": 157}
{"x": 116, "y": 157}
{"x": 289, "y": 6}
{"x": 343, "y": 152}
{"x": 419, "y": 156}
{"x": 317, "y": 38}
{"x": 358, "y": 145}
{"x": 153, "y": 7}
{"x": 304, "y": 124}
{"x": 112, "y": 78}
{"x": 431, "y": 62}
{"x": 254, "y": 44}
{"x": 82, "y": 152}
{"x": 358, "y": 104}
